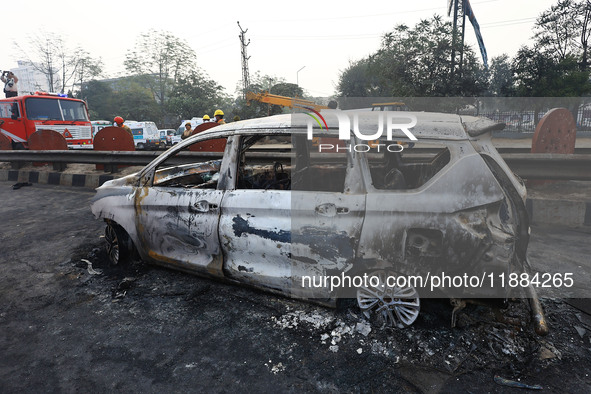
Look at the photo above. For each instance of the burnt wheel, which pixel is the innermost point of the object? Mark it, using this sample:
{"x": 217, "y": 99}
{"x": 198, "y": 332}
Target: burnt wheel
{"x": 119, "y": 246}
{"x": 395, "y": 306}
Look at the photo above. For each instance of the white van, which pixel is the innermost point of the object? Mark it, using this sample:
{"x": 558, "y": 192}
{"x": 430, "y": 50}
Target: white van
{"x": 145, "y": 134}
{"x": 98, "y": 125}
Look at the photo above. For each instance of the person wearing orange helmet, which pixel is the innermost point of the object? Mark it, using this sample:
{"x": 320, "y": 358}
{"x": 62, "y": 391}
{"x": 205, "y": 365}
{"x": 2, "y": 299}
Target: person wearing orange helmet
{"x": 119, "y": 121}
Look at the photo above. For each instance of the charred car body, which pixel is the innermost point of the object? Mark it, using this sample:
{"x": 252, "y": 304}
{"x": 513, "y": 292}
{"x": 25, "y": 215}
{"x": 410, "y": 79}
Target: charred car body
{"x": 288, "y": 208}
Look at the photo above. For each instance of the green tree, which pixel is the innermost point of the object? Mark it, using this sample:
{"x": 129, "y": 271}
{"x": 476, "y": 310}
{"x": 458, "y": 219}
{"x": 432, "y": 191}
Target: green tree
{"x": 537, "y": 75}
{"x": 501, "y": 81}
{"x": 287, "y": 90}
{"x": 86, "y": 68}
{"x": 264, "y": 83}
{"x": 563, "y": 31}
{"x": 133, "y": 101}
{"x": 254, "y": 109}
{"x": 414, "y": 62}
{"x": 556, "y": 29}
{"x": 160, "y": 60}
{"x": 195, "y": 95}
{"x": 99, "y": 98}
{"x": 555, "y": 66}
{"x": 357, "y": 81}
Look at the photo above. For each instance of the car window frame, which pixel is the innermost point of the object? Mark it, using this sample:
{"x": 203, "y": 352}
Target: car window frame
{"x": 146, "y": 175}
{"x": 454, "y": 151}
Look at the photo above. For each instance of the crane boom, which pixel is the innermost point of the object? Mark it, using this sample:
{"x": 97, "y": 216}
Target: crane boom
{"x": 290, "y": 102}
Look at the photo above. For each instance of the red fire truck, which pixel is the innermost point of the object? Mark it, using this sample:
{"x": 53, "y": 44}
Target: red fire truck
{"x": 23, "y": 115}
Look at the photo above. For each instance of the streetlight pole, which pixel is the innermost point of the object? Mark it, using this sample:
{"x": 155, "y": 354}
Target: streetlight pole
{"x": 298, "y": 77}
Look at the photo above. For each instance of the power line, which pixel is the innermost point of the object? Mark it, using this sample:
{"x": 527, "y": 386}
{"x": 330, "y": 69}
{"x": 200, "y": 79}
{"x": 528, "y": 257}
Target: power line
{"x": 369, "y": 15}
{"x": 335, "y": 37}
{"x": 510, "y": 22}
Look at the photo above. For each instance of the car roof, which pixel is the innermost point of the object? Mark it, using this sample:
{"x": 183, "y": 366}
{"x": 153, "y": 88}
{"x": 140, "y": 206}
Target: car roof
{"x": 429, "y": 125}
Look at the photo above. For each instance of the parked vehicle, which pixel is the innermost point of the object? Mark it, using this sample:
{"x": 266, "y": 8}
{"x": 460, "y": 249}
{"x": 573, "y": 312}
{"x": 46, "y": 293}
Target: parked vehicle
{"x": 23, "y": 115}
{"x": 98, "y": 125}
{"x": 145, "y": 134}
{"x": 280, "y": 213}
{"x": 166, "y": 137}
{"x": 176, "y": 137}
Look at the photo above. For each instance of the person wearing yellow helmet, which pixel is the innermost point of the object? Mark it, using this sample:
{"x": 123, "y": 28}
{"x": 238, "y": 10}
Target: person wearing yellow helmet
{"x": 219, "y": 116}
{"x": 205, "y": 118}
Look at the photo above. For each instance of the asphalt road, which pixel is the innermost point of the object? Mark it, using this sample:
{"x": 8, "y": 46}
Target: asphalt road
{"x": 66, "y": 326}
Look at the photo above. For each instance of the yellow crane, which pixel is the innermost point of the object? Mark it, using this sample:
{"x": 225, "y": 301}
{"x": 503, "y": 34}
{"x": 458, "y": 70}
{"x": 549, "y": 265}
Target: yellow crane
{"x": 290, "y": 102}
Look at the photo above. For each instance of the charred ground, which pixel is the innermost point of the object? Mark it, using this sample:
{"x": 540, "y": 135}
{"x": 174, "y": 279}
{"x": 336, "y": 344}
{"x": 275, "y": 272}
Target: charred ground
{"x": 70, "y": 321}
{"x": 139, "y": 327}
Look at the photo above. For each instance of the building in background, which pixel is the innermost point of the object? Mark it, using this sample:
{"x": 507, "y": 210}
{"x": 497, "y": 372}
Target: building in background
{"x": 30, "y": 79}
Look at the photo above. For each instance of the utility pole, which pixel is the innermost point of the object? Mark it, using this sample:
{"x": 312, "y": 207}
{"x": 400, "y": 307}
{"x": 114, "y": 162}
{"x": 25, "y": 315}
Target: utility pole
{"x": 245, "y": 74}
{"x": 298, "y": 77}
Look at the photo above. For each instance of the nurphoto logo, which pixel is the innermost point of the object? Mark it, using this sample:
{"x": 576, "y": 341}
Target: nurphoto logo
{"x": 349, "y": 123}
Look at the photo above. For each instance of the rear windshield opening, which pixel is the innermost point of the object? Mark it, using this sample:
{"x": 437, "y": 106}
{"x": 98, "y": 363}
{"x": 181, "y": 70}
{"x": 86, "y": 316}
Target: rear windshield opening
{"x": 408, "y": 169}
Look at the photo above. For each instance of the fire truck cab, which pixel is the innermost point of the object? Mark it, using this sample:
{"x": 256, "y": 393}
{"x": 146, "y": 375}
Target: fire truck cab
{"x": 23, "y": 115}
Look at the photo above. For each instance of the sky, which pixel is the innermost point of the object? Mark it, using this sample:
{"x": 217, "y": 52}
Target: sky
{"x": 305, "y": 42}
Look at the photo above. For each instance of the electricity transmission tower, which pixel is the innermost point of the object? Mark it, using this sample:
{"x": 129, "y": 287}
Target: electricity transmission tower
{"x": 245, "y": 74}
{"x": 459, "y": 22}
{"x": 462, "y": 9}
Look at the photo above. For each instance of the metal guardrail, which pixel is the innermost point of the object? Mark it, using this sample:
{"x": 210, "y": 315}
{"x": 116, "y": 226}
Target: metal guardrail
{"x": 527, "y": 165}
{"x": 134, "y": 158}
{"x": 576, "y": 167}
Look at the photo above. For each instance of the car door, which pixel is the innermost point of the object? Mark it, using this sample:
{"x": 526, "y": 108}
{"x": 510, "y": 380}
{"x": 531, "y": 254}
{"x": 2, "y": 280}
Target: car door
{"x": 177, "y": 217}
{"x": 273, "y": 237}
{"x": 327, "y": 208}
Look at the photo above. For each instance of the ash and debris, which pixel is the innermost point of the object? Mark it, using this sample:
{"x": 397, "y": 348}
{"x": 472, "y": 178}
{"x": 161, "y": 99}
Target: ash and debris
{"x": 479, "y": 343}
{"x": 301, "y": 335}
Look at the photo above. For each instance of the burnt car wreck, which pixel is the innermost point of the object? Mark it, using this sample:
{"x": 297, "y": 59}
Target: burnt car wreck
{"x": 290, "y": 211}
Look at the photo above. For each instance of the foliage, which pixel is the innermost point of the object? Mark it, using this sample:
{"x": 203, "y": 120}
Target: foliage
{"x": 254, "y": 109}
{"x": 122, "y": 97}
{"x": 540, "y": 76}
{"x": 99, "y": 97}
{"x": 87, "y": 68}
{"x": 133, "y": 101}
{"x": 287, "y": 90}
{"x": 556, "y": 30}
{"x": 414, "y": 62}
{"x": 195, "y": 95}
{"x": 356, "y": 80}
{"x": 160, "y": 60}
{"x": 563, "y": 31}
{"x": 556, "y": 64}
{"x": 500, "y": 77}
{"x": 263, "y": 83}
